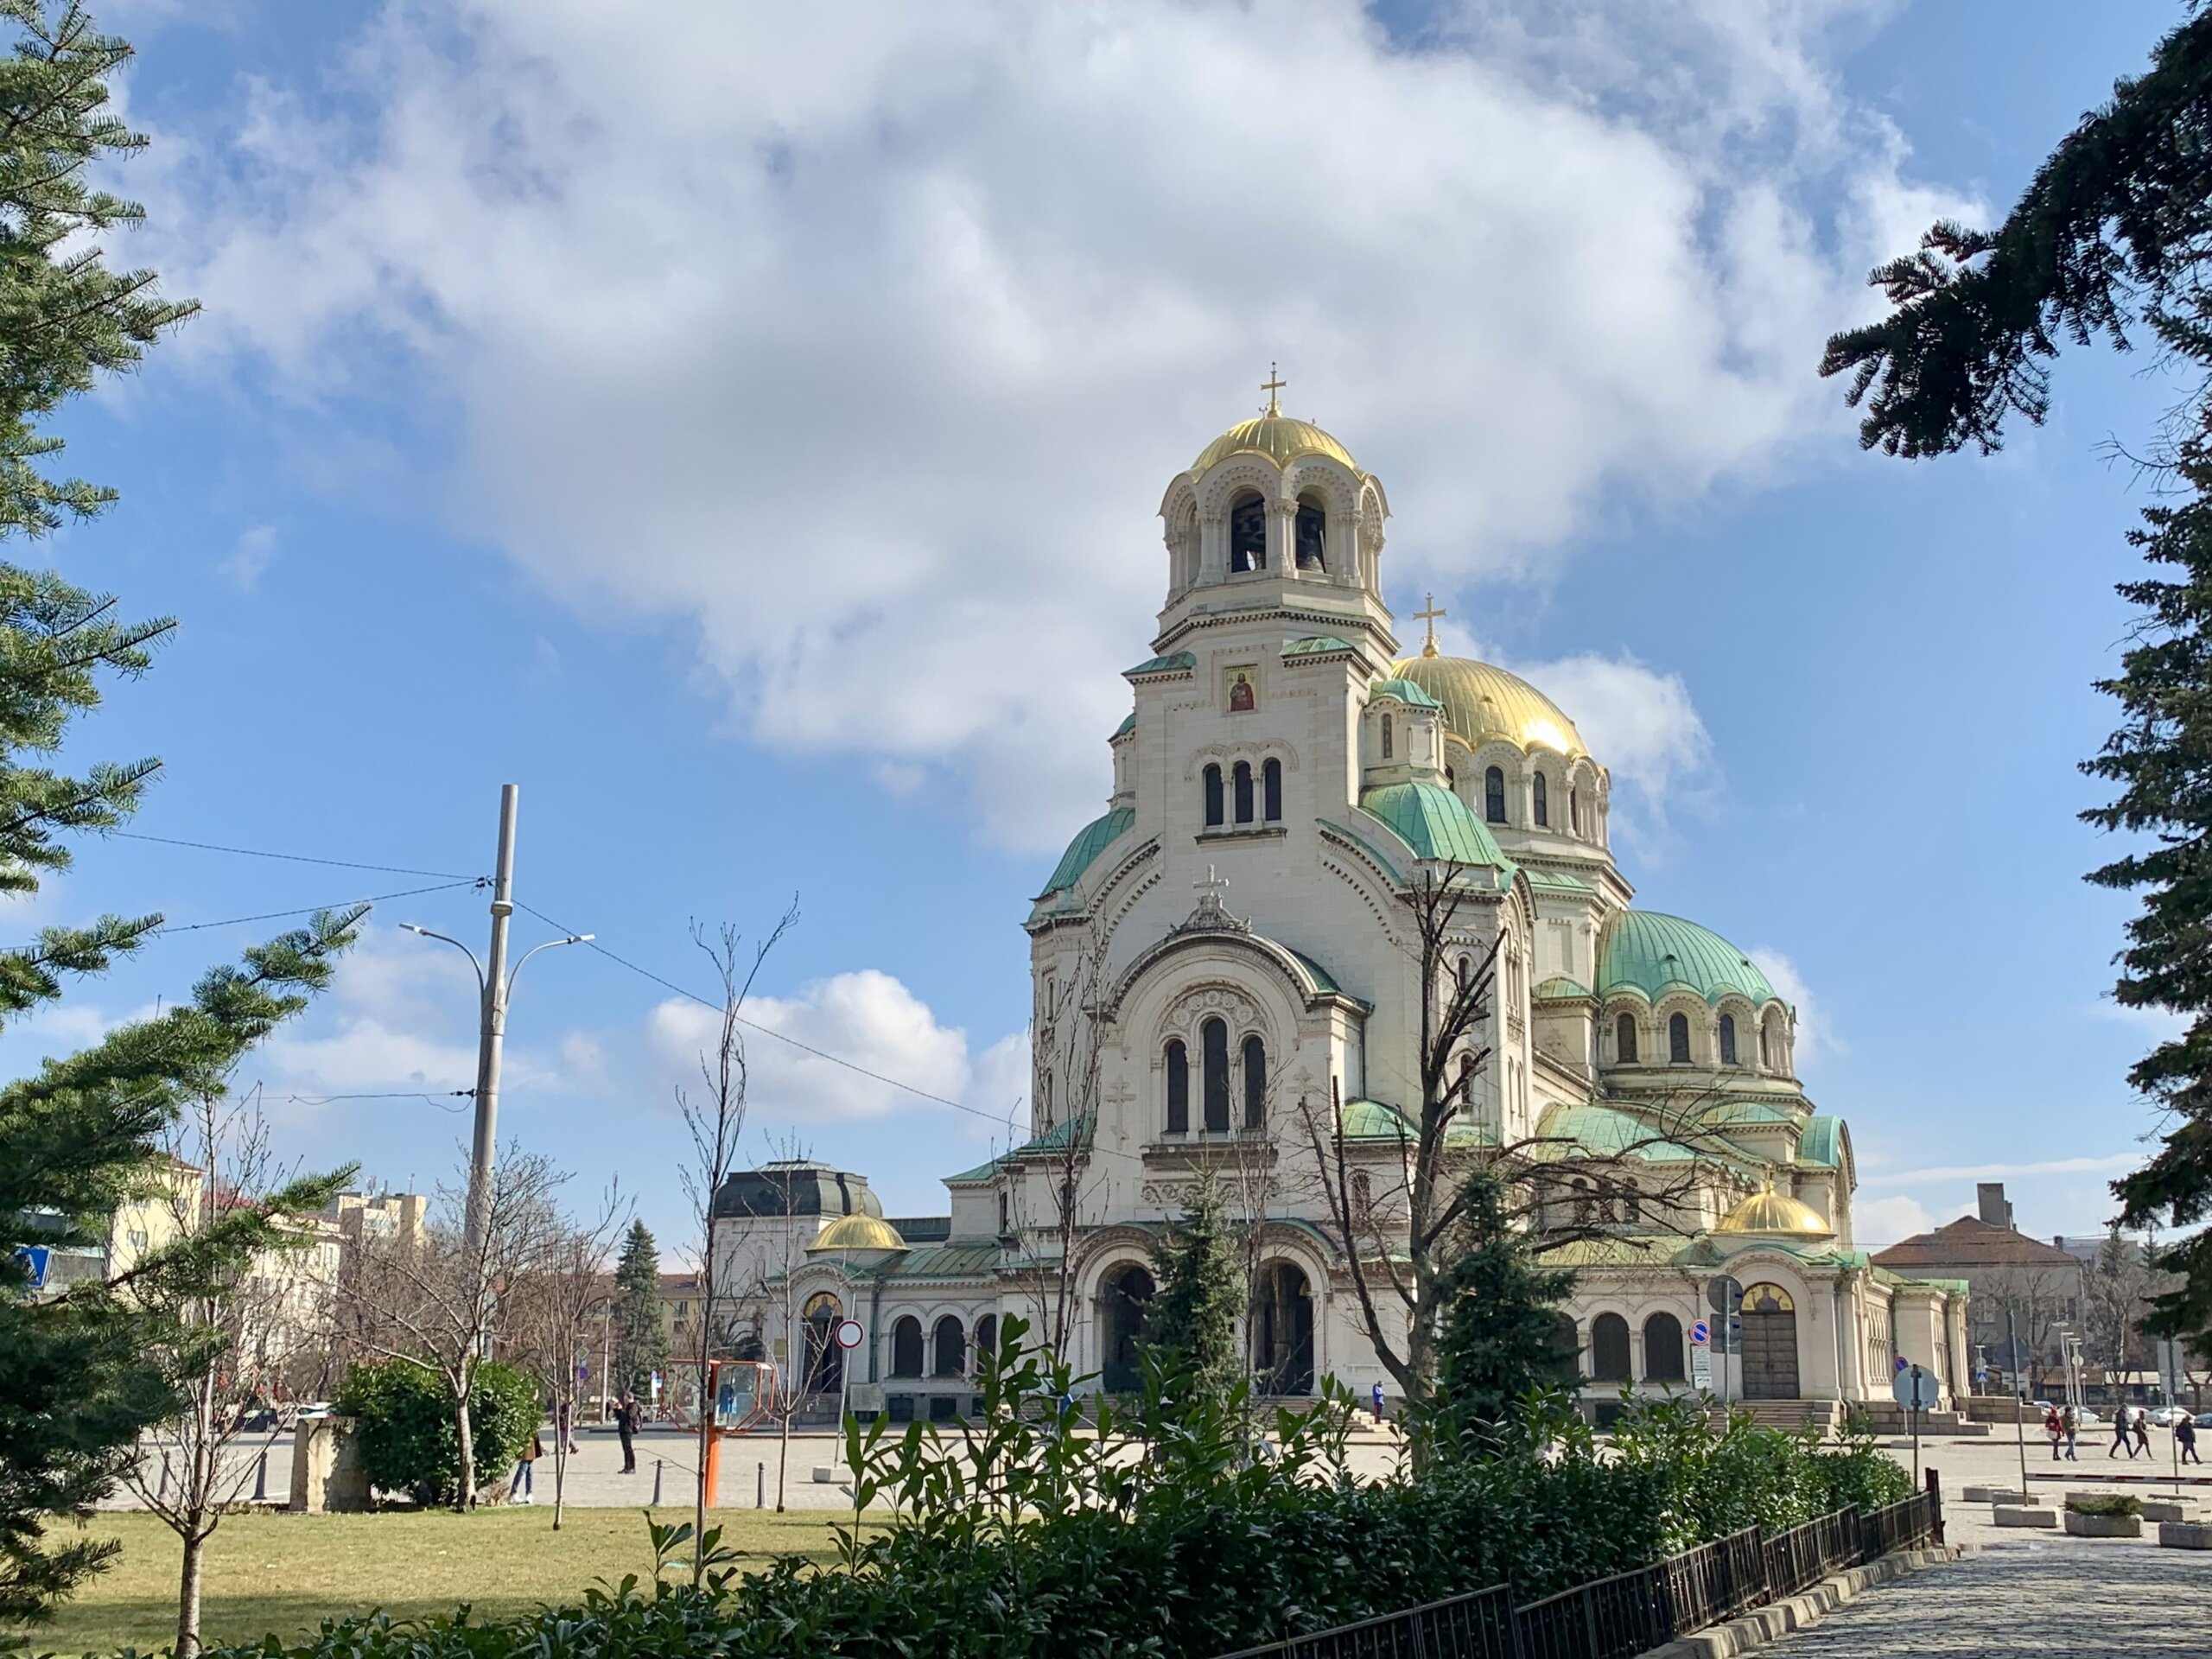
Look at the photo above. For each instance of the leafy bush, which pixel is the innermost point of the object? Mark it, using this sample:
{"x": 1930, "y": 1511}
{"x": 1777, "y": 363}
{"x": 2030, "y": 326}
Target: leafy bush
{"x": 2112, "y": 1505}
{"x": 404, "y": 1424}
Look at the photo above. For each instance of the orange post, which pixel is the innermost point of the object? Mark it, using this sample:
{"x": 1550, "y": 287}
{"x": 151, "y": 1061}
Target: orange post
{"x": 714, "y": 1469}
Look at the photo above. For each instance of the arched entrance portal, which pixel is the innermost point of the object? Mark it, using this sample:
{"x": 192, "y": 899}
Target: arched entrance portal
{"x": 1282, "y": 1331}
{"x": 825, "y": 1360}
{"x": 1121, "y": 1320}
{"x": 1769, "y": 1343}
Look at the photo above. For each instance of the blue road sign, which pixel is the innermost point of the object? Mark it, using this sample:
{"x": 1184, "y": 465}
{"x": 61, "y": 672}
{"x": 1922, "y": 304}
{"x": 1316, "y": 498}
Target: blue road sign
{"x": 40, "y": 1259}
{"x": 1701, "y": 1333}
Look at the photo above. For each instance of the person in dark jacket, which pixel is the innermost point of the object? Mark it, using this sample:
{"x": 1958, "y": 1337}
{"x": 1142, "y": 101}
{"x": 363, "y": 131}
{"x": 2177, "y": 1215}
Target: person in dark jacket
{"x": 2185, "y": 1441}
{"x": 625, "y": 1425}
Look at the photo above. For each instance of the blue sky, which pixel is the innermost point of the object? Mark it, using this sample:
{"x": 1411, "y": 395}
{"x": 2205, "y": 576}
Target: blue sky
{"x": 744, "y": 433}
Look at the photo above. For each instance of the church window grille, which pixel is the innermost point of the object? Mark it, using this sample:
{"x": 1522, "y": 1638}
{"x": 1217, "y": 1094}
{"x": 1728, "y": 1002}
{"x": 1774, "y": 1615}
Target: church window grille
{"x": 1386, "y": 737}
{"x": 1213, "y": 1046}
{"x": 1271, "y": 791}
{"x": 1178, "y": 1087}
{"x": 1663, "y": 1349}
{"x": 1215, "y": 813}
{"x": 1727, "y": 1040}
{"x": 1312, "y": 536}
{"x": 1624, "y": 1040}
{"x": 1543, "y": 805}
{"x": 1494, "y": 795}
{"x": 907, "y": 1347}
{"x": 1241, "y": 781}
{"x": 1609, "y": 1348}
{"x": 1255, "y": 1083}
{"x": 1248, "y": 533}
{"x": 1678, "y": 1039}
{"x": 951, "y": 1344}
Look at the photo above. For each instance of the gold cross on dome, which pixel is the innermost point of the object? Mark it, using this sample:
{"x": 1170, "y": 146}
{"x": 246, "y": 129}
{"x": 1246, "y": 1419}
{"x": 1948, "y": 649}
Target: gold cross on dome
{"x": 1273, "y": 384}
{"x": 1429, "y": 615}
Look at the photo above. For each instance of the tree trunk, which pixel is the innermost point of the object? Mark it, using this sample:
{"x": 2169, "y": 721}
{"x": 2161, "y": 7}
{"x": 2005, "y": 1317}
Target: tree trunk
{"x": 783, "y": 1458}
{"x": 187, "y": 1595}
{"x": 465, "y": 1499}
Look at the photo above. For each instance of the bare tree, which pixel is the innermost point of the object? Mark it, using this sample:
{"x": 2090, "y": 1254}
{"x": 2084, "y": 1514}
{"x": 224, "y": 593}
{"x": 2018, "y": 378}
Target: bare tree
{"x": 236, "y": 1333}
{"x": 556, "y": 1312}
{"x": 715, "y": 1120}
{"x": 2116, "y": 1290}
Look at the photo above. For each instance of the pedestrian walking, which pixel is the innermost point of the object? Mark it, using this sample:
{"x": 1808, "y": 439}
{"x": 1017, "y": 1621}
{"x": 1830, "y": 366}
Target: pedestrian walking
{"x": 2054, "y": 1428}
{"x": 2185, "y": 1440}
{"x": 2121, "y": 1440}
{"x": 564, "y": 1427}
{"x": 1378, "y": 1400}
{"x": 2072, "y": 1421}
{"x": 519, "y": 1490}
{"x": 2142, "y": 1433}
{"x": 625, "y": 1425}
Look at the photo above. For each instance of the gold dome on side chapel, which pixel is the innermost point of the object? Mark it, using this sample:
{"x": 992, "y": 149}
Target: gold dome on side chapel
{"x": 858, "y": 1232}
{"x": 1482, "y": 703}
{"x": 1775, "y": 1215}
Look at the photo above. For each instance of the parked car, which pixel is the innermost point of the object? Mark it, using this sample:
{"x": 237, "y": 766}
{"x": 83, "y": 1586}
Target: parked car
{"x": 2167, "y": 1416}
{"x": 2204, "y": 1420}
{"x": 2086, "y": 1416}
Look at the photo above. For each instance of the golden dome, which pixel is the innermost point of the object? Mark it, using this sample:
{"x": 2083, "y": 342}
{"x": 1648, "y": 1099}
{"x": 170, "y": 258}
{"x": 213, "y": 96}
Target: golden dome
{"x": 1482, "y": 702}
{"x": 858, "y": 1231}
{"x": 1276, "y": 436}
{"x": 1777, "y": 1215}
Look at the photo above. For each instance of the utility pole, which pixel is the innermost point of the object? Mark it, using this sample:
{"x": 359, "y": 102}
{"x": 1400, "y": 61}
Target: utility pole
{"x": 492, "y": 1031}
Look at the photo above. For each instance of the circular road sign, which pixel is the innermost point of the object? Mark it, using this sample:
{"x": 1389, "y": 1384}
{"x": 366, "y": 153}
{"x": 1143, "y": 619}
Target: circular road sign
{"x": 1914, "y": 1389}
{"x": 849, "y": 1333}
{"x": 1701, "y": 1333}
{"x": 1723, "y": 1294}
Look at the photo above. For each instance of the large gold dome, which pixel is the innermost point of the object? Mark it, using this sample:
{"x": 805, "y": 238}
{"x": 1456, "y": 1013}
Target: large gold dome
{"x": 1775, "y": 1215}
{"x": 1482, "y": 703}
{"x": 1275, "y": 436}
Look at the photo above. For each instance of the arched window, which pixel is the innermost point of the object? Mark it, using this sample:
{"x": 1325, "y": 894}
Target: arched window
{"x": 1543, "y": 801}
{"x": 1494, "y": 795}
{"x": 1727, "y": 1040}
{"x": 1271, "y": 791}
{"x": 1466, "y": 1084}
{"x": 907, "y": 1347}
{"x": 1005, "y": 1213}
{"x": 1312, "y": 535}
{"x": 1248, "y": 532}
{"x": 987, "y": 1338}
{"x": 1663, "y": 1349}
{"x": 1609, "y": 1348}
{"x": 1178, "y": 1087}
{"x": 1467, "y": 972}
{"x": 1213, "y": 1046}
{"x": 1255, "y": 1083}
{"x": 952, "y": 1345}
{"x": 1216, "y": 816}
{"x": 1678, "y": 1039}
{"x": 1386, "y": 737}
{"x": 1575, "y": 811}
{"x": 1241, "y": 783}
{"x": 1624, "y": 1040}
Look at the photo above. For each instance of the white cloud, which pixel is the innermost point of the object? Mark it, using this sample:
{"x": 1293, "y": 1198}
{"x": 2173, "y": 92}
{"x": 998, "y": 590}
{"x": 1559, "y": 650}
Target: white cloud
{"x": 250, "y": 555}
{"x": 1815, "y": 1037}
{"x": 862, "y": 339}
{"x": 1639, "y": 722}
{"x": 1876, "y": 1223}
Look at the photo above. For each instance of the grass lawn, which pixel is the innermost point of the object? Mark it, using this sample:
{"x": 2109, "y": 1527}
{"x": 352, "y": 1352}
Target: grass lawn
{"x": 286, "y": 1572}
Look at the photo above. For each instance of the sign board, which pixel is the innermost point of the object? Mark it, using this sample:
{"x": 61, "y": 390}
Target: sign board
{"x": 849, "y": 1333}
{"x": 38, "y": 1260}
{"x": 1914, "y": 1389}
{"x": 1701, "y": 1333}
{"x": 1723, "y": 1294}
{"x": 1701, "y": 1368}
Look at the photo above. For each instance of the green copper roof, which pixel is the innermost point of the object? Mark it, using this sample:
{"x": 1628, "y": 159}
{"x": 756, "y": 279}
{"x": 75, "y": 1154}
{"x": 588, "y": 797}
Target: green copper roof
{"x": 1822, "y": 1143}
{"x": 1559, "y": 985}
{"x": 1405, "y": 691}
{"x": 1644, "y": 950}
{"x": 977, "y": 1176}
{"x": 1316, "y": 646}
{"x": 1128, "y": 724}
{"x": 1434, "y": 823}
{"x": 1093, "y": 839}
{"x": 1557, "y": 880}
{"x": 1606, "y": 1132}
{"x": 1069, "y": 1131}
{"x": 1323, "y": 979}
{"x": 1733, "y": 1114}
{"x": 1182, "y": 660}
{"x": 1370, "y": 1119}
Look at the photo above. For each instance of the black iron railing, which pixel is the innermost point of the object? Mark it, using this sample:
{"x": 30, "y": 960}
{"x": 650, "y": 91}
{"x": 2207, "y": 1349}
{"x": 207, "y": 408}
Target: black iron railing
{"x": 1631, "y": 1613}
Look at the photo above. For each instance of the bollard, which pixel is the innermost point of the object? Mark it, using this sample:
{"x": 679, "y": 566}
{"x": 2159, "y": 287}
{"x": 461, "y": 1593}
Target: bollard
{"x": 656, "y": 1482}
{"x": 261, "y": 1478}
{"x": 759, "y": 1485}
{"x": 163, "y": 1496}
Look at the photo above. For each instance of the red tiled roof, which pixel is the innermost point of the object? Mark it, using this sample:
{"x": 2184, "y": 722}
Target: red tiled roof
{"x": 1970, "y": 1241}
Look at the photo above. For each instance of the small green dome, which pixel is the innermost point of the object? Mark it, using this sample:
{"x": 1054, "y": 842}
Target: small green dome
{"x": 1434, "y": 823}
{"x": 1646, "y": 952}
{"x": 1405, "y": 691}
{"x": 1091, "y": 840}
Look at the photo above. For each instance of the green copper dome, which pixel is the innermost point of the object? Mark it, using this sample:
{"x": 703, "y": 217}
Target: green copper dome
{"x": 1646, "y": 952}
{"x": 1434, "y": 823}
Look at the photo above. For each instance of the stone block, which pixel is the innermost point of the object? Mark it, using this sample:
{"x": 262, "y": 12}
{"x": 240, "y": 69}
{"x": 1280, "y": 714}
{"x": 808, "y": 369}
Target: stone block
{"x": 327, "y": 1474}
{"x": 1994, "y": 1495}
{"x": 2185, "y": 1535}
{"x": 824, "y": 1473}
{"x": 2168, "y": 1508}
{"x": 2010, "y": 1515}
{"x": 2103, "y": 1526}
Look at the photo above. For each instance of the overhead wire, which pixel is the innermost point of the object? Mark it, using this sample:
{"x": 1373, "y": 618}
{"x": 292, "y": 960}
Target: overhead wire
{"x": 291, "y": 858}
{"x": 309, "y": 910}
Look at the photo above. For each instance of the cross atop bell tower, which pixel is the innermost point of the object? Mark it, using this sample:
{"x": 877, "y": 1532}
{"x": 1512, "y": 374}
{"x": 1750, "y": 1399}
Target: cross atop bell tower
{"x": 1430, "y": 612}
{"x": 1273, "y": 384}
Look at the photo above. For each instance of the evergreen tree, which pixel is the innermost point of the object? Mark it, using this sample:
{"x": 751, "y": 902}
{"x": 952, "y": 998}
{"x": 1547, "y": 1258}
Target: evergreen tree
{"x": 84, "y": 1372}
{"x": 1190, "y": 1324}
{"x": 2114, "y": 233}
{"x": 1503, "y": 1333}
{"x": 640, "y": 1340}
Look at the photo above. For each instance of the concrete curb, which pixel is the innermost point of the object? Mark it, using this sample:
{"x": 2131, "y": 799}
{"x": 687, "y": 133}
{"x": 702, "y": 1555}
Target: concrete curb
{"x": 1793, "y": 1613}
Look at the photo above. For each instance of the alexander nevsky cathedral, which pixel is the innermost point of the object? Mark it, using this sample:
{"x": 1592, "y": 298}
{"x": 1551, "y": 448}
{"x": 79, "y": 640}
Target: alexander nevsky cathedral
{"x": 1228, "y": 951}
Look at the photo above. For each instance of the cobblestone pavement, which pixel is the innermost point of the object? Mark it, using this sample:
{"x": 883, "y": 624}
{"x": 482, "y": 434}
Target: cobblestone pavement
{"x": 2081, "y": 1598}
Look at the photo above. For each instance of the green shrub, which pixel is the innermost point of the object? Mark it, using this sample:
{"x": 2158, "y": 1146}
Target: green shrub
{"x": 2113, "y": 1505}
{"x": 404, "y": 1424}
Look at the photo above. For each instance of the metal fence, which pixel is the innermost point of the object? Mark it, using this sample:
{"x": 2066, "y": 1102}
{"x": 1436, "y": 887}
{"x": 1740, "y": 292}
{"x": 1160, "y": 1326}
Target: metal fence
{"x": 1635, "y": 1612}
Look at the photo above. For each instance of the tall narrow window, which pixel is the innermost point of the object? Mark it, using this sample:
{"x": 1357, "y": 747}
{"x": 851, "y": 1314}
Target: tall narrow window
{"x": 1624, "y": 1040}
{"x": 1312, "y": 536}
{"x": 1678, "y": 1039}
{"x": 1386, "y": 737}
{"x": 1541, "y": 804}
{"x": 1241, "y": 781}
{"x": 1178, "y": 1087}
{"x": 1271, "y": 791}
{"x": 1766, "y": 1049}
{"x": 1494, "y": 795}
{"x": 1727, "y": 1040}
{"x": 1466, "y": 973}
{"x": 1215, "y": 813}
{"x": 1213, "y": 1048}
{"x": 1575, "y": 811}
{"x": 1248, "y": 533}
{"x": 1255, "y": 1083}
